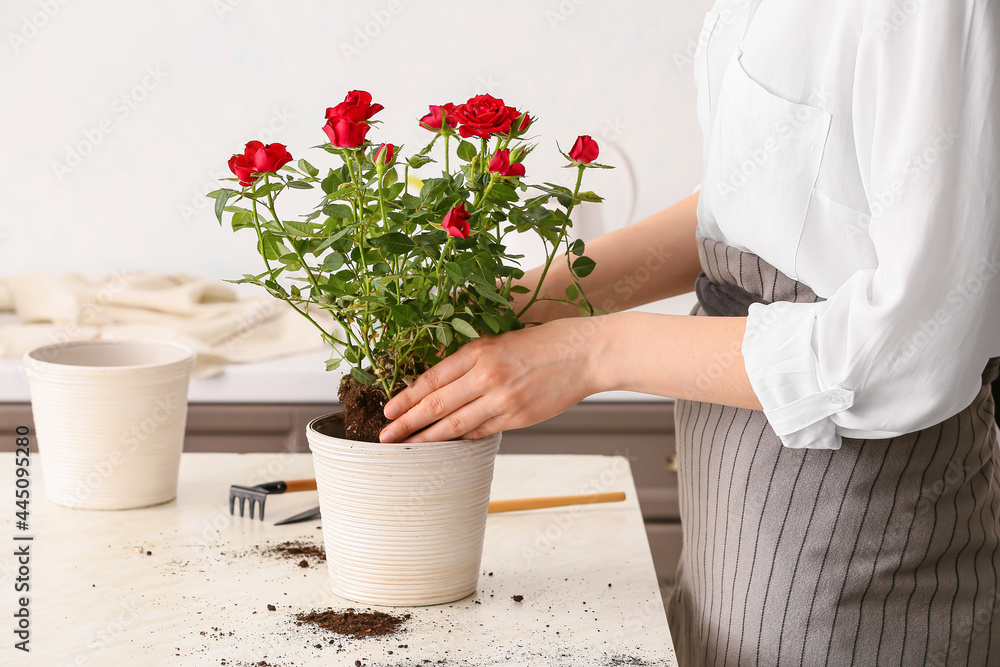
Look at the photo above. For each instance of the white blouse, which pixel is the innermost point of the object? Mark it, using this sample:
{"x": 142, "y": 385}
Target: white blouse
{"x": 855, "y": 146}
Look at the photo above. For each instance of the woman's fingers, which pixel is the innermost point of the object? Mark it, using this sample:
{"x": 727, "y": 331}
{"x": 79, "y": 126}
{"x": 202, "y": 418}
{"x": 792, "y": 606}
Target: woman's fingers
{"x": 457, "y": 424}
{"x": 440, "y": 375}
{"x": 436, "y": 394}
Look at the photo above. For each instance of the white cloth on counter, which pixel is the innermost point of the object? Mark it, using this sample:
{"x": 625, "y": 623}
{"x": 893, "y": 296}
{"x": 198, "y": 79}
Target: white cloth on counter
{"x": 855, "y": 146}
{"x": 205, "y": 315}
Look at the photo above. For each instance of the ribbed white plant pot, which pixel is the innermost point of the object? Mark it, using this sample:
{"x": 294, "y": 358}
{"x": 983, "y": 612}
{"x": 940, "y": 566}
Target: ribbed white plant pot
{"x": 403, "y": 524}
{"x": 109, "y": 421}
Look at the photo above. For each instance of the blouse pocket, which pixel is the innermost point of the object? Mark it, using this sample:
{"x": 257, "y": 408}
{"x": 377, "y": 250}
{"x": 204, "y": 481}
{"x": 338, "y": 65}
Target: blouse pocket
{"x": 761, "y": 166}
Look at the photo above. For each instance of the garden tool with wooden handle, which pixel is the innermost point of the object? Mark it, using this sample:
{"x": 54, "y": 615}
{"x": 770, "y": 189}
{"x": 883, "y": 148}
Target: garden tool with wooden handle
{"x": 260, "y": 492}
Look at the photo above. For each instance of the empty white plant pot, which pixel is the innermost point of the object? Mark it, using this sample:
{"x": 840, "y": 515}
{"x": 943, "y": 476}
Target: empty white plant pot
{"x": 109, "y": 421}
{"x": 403, "y": 524}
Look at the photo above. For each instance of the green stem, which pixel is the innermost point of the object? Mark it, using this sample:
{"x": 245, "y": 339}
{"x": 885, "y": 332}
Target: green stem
{"x": 555, "y": 247}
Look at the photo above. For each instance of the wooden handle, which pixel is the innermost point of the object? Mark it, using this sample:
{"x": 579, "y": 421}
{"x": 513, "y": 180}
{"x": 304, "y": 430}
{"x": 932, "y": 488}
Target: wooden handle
{"x": 516, "y": 504}
{"x": 300, "y": 485}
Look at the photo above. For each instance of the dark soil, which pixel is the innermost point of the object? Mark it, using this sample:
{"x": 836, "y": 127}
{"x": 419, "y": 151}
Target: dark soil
{"x": 354, "y": 623}
{"x": 363, "y": 406}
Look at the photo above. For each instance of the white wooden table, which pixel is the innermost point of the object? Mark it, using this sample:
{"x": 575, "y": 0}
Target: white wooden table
{"x": 185, "y": 583}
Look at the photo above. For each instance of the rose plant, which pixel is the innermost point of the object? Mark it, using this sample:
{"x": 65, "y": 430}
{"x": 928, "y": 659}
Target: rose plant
{"x": 408, "y": 269}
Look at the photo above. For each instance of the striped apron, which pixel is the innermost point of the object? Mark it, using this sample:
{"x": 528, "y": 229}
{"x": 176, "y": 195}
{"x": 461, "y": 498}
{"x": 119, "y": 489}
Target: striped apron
{"x": 884, "y": 552}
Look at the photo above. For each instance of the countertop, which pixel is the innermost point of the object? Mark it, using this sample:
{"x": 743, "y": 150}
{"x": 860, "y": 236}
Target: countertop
{"x": 185, "y": 583}
{"x": 298, "y": 378}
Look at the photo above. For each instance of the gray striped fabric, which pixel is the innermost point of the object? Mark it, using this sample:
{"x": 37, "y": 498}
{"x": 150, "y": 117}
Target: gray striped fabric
{"x": 884, "y": 552}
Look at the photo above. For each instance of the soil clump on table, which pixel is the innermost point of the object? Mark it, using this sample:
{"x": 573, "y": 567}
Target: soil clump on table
{"x": 297, "y": 550}
{"x": 354, "y": 623}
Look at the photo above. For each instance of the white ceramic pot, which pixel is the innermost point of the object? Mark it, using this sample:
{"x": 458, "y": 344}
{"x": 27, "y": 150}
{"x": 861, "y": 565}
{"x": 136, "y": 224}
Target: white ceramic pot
{"x": 109, "y": 421}
{"x": 403, "y": 524}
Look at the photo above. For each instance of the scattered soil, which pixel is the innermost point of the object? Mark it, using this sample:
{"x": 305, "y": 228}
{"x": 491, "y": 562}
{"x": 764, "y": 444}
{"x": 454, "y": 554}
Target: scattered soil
{"x": 297, "y": 550}
{"x": 354, "y": 623}
{"x": 517, "y": 598}
{"x": 363, "y": 404}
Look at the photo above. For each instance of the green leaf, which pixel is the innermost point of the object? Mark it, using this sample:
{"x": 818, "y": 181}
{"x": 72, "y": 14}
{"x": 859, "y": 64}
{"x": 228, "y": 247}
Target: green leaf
{"x": 445, "y": 310}
{"x": 520, "y": 289}
{"x": 583, "y": 266}
{"x": 577, "y": 247}
{"x": 572, "y": 292}
{"x": 396, "y": 243}
{"x": 338, "y": 211}
{"x": 242, "y": 219}
{"x": 333, "y": 262}
{"x": 300, "y": 185}
{"x": 589, "y": 196}
{"x": 464, "y": 328}
{"x": 405, "y": 315}
{"x": 443, "y": 335}
{"x": 466, "y": 151}
{"x": 455, "y": 273}
{"x": 364, "y": 377}
{"x": 264, "y": 189}
{"x": 221, "y": 199}
{"x": 308, "y": 168}
{"x": 331, "y": 182}
{"x": 298, "y": 228}
{"x": 332, "y": 364}
{"x": 492, "y": 321}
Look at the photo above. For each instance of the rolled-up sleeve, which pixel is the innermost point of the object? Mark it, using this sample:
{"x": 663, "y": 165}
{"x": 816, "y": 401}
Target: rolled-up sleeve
{"x": 902, "y": 346}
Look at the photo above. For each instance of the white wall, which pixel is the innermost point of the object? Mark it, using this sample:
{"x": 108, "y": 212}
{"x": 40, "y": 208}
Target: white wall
{"x": 118, "y": 115}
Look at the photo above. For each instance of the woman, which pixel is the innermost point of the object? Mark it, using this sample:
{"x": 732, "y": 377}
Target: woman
{"x": 839, "y": 484}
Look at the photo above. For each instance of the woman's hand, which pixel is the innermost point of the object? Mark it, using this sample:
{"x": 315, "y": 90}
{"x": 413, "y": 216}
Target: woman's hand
{"x": 499, "y": 383}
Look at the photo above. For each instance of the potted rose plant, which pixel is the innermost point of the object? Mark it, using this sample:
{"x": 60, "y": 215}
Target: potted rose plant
{"x": 408, "y": 270}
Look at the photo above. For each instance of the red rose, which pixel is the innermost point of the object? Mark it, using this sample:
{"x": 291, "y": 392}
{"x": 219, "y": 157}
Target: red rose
{"x": 456, "y": 222}
{"x": 432, "y": 121}
{"x": 585, "y": 150}
{"x": 500, "y": 164}
{"x": 344, "y": 133}
{"x": 485, "y": 115}
{"x": 257, "y": 159}
{"x": 356, "y": 107}
{"x": 384, "y": 154}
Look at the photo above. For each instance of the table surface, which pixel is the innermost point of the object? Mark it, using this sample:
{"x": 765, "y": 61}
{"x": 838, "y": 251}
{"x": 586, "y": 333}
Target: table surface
{"x": 184, "y": 583}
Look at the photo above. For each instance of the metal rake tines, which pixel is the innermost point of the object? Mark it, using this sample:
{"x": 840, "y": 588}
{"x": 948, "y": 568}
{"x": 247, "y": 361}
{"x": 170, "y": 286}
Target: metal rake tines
{"x": 247, "y": 493}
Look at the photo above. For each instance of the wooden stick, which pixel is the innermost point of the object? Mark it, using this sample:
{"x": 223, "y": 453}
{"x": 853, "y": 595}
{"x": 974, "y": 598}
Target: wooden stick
{"x": 300, "y": 485}
{"x": 517, "y": 504}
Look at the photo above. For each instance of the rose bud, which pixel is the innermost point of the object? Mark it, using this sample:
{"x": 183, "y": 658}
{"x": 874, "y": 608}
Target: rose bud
{"x": 456, "y": 222}
{"x": 500, "y": 164}
{"x": 384, "y": 155}
{"x": 585, "y": 150}
{"x": 432, "y": 121}
{"x": 356, "y": 107}
{"x": 344, "y": 133}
